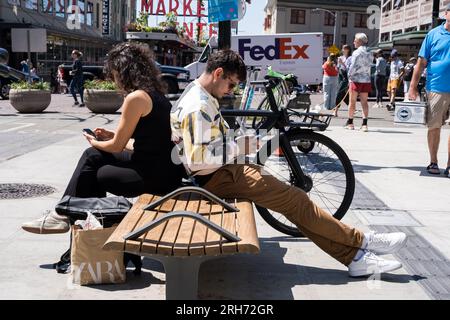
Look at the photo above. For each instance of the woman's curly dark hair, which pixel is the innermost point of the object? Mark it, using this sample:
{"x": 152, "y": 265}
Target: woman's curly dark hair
{"x": 135, "y": 68}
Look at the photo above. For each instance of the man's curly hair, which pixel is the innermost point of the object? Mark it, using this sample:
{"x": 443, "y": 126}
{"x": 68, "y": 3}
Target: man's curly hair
{"x": 135, "y": 68}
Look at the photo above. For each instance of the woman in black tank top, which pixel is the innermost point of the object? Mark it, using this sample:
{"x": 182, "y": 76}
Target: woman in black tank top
{"x": 136, "y": 158}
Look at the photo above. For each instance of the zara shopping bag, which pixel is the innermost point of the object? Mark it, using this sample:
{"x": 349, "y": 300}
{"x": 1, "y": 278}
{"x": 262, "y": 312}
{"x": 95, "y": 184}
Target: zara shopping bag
{"x": 90, "y": 263}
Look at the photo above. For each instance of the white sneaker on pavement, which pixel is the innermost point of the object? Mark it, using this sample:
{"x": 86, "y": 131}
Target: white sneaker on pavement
{"x": 51, "y": 222}
{"x": 370, "y": 264}
{"x": 384, "y": 243}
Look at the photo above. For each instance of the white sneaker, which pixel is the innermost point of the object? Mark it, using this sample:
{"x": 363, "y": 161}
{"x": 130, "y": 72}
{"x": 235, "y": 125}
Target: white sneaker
{"x": 370, "y": 264}
{"x": 384, "y": 243}
{"x": 51, "y": 222}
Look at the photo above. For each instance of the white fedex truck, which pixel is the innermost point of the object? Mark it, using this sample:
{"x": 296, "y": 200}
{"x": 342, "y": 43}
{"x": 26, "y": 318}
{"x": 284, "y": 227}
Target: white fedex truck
{"x": 297, "y": 53}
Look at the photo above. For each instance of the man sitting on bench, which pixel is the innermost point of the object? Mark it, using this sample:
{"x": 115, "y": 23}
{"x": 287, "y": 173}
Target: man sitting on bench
{"x": 198, "y": 128}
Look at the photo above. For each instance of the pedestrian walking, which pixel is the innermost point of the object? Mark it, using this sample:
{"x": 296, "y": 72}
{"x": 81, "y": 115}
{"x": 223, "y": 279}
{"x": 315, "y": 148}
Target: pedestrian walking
{"x": 24, "y": 67}
{"x": 342, "y": 92}
{"x": 408, "y": 73}
{"x": 380, "y": 77}
{"x": 396, "y": 72}
{"x": 359, "y": 78}
{"x": 330, "y": 82}
{"x": 435, "y": 56}
{"x": 77, "y": 83}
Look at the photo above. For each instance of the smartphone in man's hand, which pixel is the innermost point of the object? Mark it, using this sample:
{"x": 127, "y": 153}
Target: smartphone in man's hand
{"x": 90, "y": 132}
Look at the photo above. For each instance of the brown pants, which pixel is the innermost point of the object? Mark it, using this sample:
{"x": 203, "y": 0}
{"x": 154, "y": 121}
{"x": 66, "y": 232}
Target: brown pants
{"x": 247, "y": 182}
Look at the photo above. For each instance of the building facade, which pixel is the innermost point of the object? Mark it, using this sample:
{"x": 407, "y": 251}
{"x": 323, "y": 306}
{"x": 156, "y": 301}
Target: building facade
{"x": 91, "y": 26}
{"x": 405, "y": 23}
{"x": 351, "y": 16}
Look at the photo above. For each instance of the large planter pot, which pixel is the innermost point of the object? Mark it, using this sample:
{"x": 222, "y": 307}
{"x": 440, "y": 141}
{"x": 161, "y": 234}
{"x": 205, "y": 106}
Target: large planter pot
{"x": 30, "y": 100}
{"x": 102, "y": 101}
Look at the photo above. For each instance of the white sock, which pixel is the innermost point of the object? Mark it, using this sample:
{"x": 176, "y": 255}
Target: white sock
{"x": 365, "y": 240}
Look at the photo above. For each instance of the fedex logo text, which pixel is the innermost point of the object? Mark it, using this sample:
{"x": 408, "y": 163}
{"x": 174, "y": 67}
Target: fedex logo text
{"x": 282, "y": 50}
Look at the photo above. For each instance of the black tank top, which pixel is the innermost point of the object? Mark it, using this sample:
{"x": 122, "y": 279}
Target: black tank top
{"x": 152, "y": 141}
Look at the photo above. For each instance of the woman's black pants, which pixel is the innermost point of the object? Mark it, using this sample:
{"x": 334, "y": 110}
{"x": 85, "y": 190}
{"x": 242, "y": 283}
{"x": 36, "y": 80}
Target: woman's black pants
{"x": 98, "y": 172}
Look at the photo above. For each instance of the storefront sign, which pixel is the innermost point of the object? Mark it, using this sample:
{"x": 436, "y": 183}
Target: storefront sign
{"x": 183, "y": 9}
{"x": 222, "y": 10}
{"x": 105, "y": 17}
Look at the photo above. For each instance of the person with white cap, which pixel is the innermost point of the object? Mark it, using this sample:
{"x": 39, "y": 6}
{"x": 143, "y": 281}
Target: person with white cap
{"x": 435, "y": 56}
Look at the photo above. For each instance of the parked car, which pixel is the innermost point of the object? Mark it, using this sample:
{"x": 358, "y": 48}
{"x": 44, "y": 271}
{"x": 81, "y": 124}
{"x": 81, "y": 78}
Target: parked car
{"x": 176, "y": 78}
{"x": 89, "y": 72}
{"x": 9, "y": 75}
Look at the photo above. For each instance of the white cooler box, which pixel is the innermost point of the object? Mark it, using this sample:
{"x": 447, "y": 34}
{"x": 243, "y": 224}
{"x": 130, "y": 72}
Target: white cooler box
{"x": 410, "y": 112}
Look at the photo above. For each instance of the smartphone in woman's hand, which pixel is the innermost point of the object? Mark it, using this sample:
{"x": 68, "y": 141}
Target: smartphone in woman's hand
{"x": 90, "y": 132}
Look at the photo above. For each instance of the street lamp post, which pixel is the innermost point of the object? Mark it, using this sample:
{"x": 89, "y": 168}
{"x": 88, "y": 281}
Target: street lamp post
{"x": 335, "y": 15}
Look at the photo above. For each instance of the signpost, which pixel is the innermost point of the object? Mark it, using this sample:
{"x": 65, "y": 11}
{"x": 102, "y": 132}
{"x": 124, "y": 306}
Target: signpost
{"x": 29, "y": 40}
{"x": 223, "y": 11}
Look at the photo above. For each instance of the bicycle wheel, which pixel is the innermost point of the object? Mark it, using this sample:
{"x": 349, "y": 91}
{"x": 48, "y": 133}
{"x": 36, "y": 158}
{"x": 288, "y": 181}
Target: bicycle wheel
{"x": 329, "y": 170}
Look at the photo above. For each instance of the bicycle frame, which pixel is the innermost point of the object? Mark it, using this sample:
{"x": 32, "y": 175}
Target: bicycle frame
{"x": 277, "y": 118}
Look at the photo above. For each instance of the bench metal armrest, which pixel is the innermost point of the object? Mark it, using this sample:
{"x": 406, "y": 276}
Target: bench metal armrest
{"x": 211, "y": 225}
{"x": 197, "y": 190}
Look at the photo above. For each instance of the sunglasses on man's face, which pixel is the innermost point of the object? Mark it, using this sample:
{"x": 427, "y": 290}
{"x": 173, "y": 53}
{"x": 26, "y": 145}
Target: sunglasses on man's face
{"x": 231, "y": 83}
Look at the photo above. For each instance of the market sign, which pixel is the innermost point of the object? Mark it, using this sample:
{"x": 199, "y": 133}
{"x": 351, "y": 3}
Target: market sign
{"x": 194, "y": 10}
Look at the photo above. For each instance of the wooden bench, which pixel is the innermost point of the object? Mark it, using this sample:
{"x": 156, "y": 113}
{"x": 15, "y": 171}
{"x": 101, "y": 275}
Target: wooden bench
{"x": 182, "y": 230}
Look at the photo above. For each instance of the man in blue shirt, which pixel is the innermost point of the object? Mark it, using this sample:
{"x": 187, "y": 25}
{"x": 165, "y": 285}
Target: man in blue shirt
{"x": 435, "y": 56}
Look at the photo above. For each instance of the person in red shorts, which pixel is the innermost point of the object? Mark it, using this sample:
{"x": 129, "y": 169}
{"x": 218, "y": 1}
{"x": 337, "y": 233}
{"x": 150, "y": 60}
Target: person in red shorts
{"x": 359, "y": 79}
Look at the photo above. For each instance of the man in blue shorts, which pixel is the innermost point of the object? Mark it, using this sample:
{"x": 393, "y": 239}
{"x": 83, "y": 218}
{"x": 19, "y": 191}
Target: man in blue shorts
{"x": 435, "y": 56}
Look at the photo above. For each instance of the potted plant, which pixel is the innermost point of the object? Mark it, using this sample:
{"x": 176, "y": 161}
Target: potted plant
{"x": 31, "y": 97}
{"x": 102, "y": 96}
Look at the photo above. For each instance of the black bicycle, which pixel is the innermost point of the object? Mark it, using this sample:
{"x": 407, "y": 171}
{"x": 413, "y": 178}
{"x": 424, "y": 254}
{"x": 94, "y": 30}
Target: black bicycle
{"x": 304, "y": 158}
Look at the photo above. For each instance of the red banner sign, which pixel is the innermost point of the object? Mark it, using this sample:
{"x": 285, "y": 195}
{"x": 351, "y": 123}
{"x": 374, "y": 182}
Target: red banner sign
{"x": 182, "y": 8}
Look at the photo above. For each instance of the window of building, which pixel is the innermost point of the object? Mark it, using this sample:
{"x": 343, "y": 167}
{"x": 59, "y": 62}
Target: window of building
{"x": 412, "y": 29}
{"x": 97, "y": 17}
{"x": 387, "y": 6}
{"x": 399, "y": 31}
{"x": 46, "y": 6}
{"x": 328, "y": 19}
{"x": 361, "y": 20}
{"x": 343, "y": 39}
{"x": 60, "y": 8}
{"x": 386, "y": 36}
{"x": 344, "y": 19}
{"x": 425, "y": 27}
{"x": 297, "y": 16}
{"x": 398, "y": 4}
{"x": 82, "y": 7}
{"x": 268, "y": 22}
{"x": 89, "y": 13}
{"x": 327, "y": 40}
{"x": 31, "y": 4}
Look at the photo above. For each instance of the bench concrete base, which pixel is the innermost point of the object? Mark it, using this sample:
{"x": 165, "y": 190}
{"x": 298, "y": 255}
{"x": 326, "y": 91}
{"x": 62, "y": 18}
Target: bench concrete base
{"x": 182, "y": 275}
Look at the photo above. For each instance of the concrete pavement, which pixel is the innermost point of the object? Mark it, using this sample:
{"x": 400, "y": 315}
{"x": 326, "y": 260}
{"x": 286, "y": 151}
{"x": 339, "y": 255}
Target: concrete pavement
{"x": 388, "y": 163}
